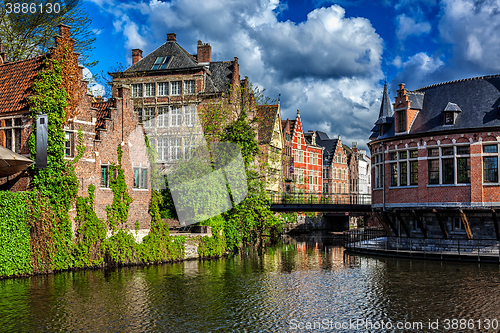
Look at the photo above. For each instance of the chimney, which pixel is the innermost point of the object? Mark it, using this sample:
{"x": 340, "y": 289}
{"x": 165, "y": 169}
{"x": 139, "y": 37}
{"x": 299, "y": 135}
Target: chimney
{"x": 204, "y": 52}
{"x": 136, "y": 55}
{"x": 171, "y": 37}
{"x": 64, "y": 31}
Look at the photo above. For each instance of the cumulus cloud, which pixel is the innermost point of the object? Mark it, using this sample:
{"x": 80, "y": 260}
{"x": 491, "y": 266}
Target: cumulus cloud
{"x": 93, "y": 87}
{"x": 407, "y": 26}
{"x": 418, "y": 71}
{"x": 329, "y": 66}
{"x": 473, "y": 29}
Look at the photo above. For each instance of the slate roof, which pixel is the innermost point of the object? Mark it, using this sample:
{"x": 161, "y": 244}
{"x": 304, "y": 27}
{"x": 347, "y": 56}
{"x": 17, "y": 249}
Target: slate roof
{"x": 180, "y": 58}
{"x": 330, "y": 145}
{"x": 266, "y": 116}
{"x": 16, "y": 79}
{"x": 385, "y": 115}
{"x": 103, "y": 111}
{"x": 478, "y": 99}
{"x": 416, "y": 100}
{"x": 219, "y": 73}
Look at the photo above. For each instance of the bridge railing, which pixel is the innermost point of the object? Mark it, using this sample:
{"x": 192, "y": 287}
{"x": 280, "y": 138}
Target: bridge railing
{"x": 321, "y": 198}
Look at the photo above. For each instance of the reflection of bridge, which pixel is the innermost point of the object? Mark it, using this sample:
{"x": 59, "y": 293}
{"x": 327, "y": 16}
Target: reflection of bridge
{"x": 321, "y": 202}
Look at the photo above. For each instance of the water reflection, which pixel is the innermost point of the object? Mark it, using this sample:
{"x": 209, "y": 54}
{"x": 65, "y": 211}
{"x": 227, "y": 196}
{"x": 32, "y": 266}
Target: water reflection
{"x": 306, "y": 279}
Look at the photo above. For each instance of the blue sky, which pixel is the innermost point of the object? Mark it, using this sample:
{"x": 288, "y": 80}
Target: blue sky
{"x": 327, "y": 58}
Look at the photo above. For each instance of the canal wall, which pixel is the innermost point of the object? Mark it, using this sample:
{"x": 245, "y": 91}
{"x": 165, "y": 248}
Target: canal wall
{"x": 328, "y": 221}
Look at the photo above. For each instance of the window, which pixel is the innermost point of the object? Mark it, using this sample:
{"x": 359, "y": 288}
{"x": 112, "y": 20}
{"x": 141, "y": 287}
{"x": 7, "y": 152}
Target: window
{"x": 13, "y": 135}
{"x": 403, "y": 173}
{"x": 413, "y": 153}
{"x": 175, "y": 149}
{"x": 68, "y": 144}
{"x": 189, "y": 87}
{"x": 463, "y": 165}
{"x": 394, "y": 156}
{"x": 175, "y": 116}
{"x": 137, "y": 90}
{"x": 403, "y": 155}
{"x": 104, "y": 176}
{"x": 162, "y": 118}
{"x": 394, "y": 174}
{"x": 490, "y": 164}
{"x": 449, "y": 118}
{"x": 402, "y": 121}
{"x": 190, "y": 114}
{"x": 413, "y": 172}
{"x": 161, "y": 62}
{"x": 433, "y": 166}
{"x": 140, "y": 177}
{"x": 148, "y": 117}
{"x": 447, "y": 151}
{"x": 162, "y": 149}
{"x": 433, "y": 152}
{"x": 457, "y": 223}
{"x": 448, "y": 170}
{"x": 150, "y": 90}
{"x": 176, "y": 87}
{"x": 162, "y": 88}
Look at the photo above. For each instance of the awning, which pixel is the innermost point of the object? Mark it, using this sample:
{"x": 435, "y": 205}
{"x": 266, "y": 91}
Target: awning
{"x": 11, "y": 163}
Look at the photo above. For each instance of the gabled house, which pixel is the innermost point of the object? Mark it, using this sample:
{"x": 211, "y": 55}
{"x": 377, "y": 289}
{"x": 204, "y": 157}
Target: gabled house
{"x": 179, "y": 97}
{"x": 271, "y": 145}
{"x": 104, "y": 125}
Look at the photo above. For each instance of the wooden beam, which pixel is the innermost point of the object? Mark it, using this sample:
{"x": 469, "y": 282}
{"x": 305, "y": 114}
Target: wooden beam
{"x": 441, "y": 224}
{"x": 384, "y": 224}
{"x": 389, "y": 221}
{"x": 495, "y": 223}
{"x": 403, "y": 224}
{"x": 466, "y": 224}
{"x": 420, "y": 224}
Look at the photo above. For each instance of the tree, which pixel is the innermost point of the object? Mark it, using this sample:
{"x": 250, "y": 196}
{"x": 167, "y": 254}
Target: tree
{"x": 27, "y": 29}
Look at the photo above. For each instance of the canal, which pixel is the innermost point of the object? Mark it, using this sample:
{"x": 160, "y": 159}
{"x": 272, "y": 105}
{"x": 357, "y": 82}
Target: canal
{"x": 306, "y": 284}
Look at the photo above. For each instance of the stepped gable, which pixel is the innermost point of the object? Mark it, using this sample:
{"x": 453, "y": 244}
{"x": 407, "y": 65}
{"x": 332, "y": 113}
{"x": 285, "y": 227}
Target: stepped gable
{"x": 16, "y": 80}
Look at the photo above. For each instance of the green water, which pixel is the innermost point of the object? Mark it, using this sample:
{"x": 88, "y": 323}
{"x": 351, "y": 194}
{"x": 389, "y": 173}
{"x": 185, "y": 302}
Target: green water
{"x": 288, "y": 288}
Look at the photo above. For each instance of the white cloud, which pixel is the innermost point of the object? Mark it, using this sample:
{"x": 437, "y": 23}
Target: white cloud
{"x": 93, "y": 87}
{"x": 407, "y": 26}
{"x": 329, "y": 66}
{"x": 473, "y": 29}
{"x": 420, "y": 70}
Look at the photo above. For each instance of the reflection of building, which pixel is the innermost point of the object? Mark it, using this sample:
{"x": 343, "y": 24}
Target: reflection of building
{"x": 435, "y": 160}
{"x": 172, "y": 88}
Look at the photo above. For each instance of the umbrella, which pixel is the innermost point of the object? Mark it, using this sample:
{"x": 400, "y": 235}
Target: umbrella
{"x": 11, "y": 163}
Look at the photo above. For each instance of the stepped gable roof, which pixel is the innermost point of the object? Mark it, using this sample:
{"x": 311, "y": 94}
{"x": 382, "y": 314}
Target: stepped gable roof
{"x": 103, "y": 111}
{"x": 180, "y": 58}
{"x": 478, "y": 98}
{"x": 16, "y": 79}
{"x": 266, "y": 116}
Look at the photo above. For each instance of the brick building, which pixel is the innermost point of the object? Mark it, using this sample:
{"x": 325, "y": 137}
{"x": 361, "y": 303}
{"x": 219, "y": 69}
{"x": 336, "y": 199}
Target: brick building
{"x": 172, "y": 90}
{"x": 104, "y": 125}
{"x": 435, "y": 160}
{"x": 287, "y": 161}
{"x": 335, "y": 167}
{"x": 306, "y": 162}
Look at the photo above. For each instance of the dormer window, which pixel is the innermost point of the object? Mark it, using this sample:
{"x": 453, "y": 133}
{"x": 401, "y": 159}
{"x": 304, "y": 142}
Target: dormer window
{"x": 449, "y": 118}
{"x": 161, "y": 62}
{"x": 450, "y": 113}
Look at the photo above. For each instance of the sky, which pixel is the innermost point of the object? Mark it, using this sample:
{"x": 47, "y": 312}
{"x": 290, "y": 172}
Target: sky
{"x": 328, "y": 59}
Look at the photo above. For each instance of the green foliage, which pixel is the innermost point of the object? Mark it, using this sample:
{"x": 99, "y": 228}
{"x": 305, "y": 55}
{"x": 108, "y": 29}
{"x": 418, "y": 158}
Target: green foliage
{"x": 289, "y": 217}
{"x": 241, "y": 133}
{"x": 15, "y": 251}
{"x": 214, "y": 246}
{"x": 88, "y": 249}
{"x": 121, "y": 248}
{"x": 118, "y": 211}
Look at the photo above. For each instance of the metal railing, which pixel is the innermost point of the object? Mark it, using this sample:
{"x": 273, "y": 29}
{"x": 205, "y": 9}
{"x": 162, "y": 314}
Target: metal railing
{"x": 377, "y": 240}
{"x": 321, "y": 198}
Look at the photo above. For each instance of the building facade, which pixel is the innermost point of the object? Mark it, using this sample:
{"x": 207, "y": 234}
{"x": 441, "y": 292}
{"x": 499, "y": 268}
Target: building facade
{"x": 435, "y": 160}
